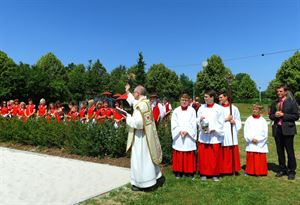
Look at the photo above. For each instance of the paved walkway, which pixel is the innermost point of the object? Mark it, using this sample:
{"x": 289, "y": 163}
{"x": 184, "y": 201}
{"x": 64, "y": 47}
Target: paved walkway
{"x": 32, "y": 178}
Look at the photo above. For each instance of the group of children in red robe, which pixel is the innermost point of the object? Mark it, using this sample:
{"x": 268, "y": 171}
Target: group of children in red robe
{"x": 216, "y": 153}
{"x": 13, "y": 108}
{"x": 95, "y": 113}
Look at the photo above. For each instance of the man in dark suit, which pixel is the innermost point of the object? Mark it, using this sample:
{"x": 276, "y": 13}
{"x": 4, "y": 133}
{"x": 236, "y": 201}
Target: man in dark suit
{"x": 284, "y": 112}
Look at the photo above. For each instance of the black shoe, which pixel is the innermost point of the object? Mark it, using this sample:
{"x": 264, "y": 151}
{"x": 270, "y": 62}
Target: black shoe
{"x": 135, "y": 188}
{"x": 280, "y": 174}
{"x": 160, "y": 182}
{"x": 178, "y": 175}
{"x": 291, "y": 177}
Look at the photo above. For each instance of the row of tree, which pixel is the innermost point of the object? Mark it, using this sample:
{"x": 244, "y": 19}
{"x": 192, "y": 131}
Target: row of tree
{"x": 50, "y": 79}
{"x": 289, "y": 74}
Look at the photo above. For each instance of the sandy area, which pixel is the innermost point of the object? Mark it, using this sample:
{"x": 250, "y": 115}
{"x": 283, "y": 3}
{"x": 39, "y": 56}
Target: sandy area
{"x": 32, "y": 178}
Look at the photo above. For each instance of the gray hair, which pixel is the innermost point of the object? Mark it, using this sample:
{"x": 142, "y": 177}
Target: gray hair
{"x": 140, "y": 89}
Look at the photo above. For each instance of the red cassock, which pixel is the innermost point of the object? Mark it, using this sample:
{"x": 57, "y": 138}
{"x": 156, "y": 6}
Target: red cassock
{"x": 29, "y": 109}
{"x": 209, "y": 157}
{"x": 69, "y": 116}
{"x": 15, "y": 110}
{"x": 74, "y": 116}
{"x": 256, "y": 164}
{"x": 82, "y": 113}
{"x": 58, "y": 116}
{"x": 156, "y": 113}
{"x": 4, "y": 111}
{"x": 42, "y": 109}
{"x": 51, "y": 114}
{"x": 108, "y": 112}
{"x": 184, "y": 161}
{"x": 21, "y": 114}
{"x": 91, "y": 112}
{"x": 118, "y": 117}
{"x": 227, "y": 159}
{"x": 9, "y": 107}
{"x": 167, "y": 107}
{"x": 100, "y": 112}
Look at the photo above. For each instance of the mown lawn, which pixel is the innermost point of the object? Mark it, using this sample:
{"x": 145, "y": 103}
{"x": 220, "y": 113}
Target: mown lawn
{"x": 230, "y": 190}
{"x": 246, "y": 110}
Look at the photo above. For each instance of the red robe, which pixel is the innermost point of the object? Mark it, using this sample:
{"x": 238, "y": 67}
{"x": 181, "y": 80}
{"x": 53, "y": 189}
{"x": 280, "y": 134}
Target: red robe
{"x": 256, "y": 164}
{"x": 42, "y": 109}
{"x": 21, "y": 114}
{"x": 226, "y": 162}
{"x": 82, "y": 113}
{"x": 4, "y": 111}
{"x": 74, "y": 116}
{"x": 210, "y": 156}
{"x": 30, "y": 109}
{"x": 118, "y": 117}
{"x": 91, "y": 112}
{"x": 156, "y": 113}
{"x": 184, "y": 161}
{"x": 15, "y": 110}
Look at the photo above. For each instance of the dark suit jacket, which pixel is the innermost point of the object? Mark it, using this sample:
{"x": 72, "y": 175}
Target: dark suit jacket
{"x": 291, "y": 114}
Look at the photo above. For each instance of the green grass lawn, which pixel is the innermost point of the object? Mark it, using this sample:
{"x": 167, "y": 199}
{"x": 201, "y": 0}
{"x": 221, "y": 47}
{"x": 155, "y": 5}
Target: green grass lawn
{"x": 230, "y": 190}
{"x": 246, "y": 110}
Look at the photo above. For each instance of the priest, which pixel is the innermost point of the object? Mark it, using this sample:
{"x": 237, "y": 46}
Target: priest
{"x": 143, "y": 141}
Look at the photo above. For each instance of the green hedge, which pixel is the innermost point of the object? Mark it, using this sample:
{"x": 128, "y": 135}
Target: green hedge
{"x": 77, "y": 138}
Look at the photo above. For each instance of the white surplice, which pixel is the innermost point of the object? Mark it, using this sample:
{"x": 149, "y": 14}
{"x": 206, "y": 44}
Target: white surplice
{"x": 184, "y": 121}
{"x": 144, "y": 172}
{"x": 215, "y": 116}
{"x": 258, "y": 129}
{"x": 227, "y": 127}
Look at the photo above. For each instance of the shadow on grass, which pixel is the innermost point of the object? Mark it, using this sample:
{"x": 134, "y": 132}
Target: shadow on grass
{"x": 271, "y": 167}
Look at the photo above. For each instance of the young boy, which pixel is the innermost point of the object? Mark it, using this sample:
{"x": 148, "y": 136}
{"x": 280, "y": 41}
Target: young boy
{"x": 256, "y": 135}
{"x": 184, "y": 134}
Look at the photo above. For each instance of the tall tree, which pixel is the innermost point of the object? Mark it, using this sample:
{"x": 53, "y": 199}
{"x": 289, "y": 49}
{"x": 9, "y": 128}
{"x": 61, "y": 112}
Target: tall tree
{"x": 7, "y": 67}
{"x": 50, "y": 78}
{"x": 212, "y": 76}
{"x": 140, "y": 72}
{"x": 118, "y": 79}
{"x": 270, "y": 92}
{"x": 244, "y": 87}
{"x": 162, "y": 80}
{"x": 77, "y": 83}
{"x": 19, "y": 81}
{"x": 98, "y": 79}
{"x": 185, "y": 85}
{"x": 289, "y": 74}
{"x": 137, "y": 72}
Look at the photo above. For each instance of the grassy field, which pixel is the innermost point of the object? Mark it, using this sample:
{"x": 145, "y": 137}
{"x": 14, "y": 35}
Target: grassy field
{"x": 246, "y": 110}
{"x": 230, "y": 190}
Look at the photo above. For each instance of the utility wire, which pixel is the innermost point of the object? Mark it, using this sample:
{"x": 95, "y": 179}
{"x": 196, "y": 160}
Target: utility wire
{"x": 240, "y": 58}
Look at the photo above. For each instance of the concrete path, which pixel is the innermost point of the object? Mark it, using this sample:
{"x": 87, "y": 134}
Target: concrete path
{"x": 32, "y": 178}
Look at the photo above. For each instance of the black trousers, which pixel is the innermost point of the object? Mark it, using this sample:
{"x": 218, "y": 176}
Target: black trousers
{"x": 285, "y": 142}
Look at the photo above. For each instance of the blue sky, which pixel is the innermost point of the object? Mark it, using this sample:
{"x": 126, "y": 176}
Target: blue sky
{"x": 173, "y": 32}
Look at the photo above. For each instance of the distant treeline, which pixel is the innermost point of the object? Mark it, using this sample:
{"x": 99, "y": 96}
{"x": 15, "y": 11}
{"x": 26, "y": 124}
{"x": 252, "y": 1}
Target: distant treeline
{"x": 50, "y": 79}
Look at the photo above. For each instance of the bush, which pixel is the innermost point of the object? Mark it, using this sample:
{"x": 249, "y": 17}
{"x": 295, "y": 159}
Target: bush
{"x": 77, "y": 138}
{"x": 165, "y": 137}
